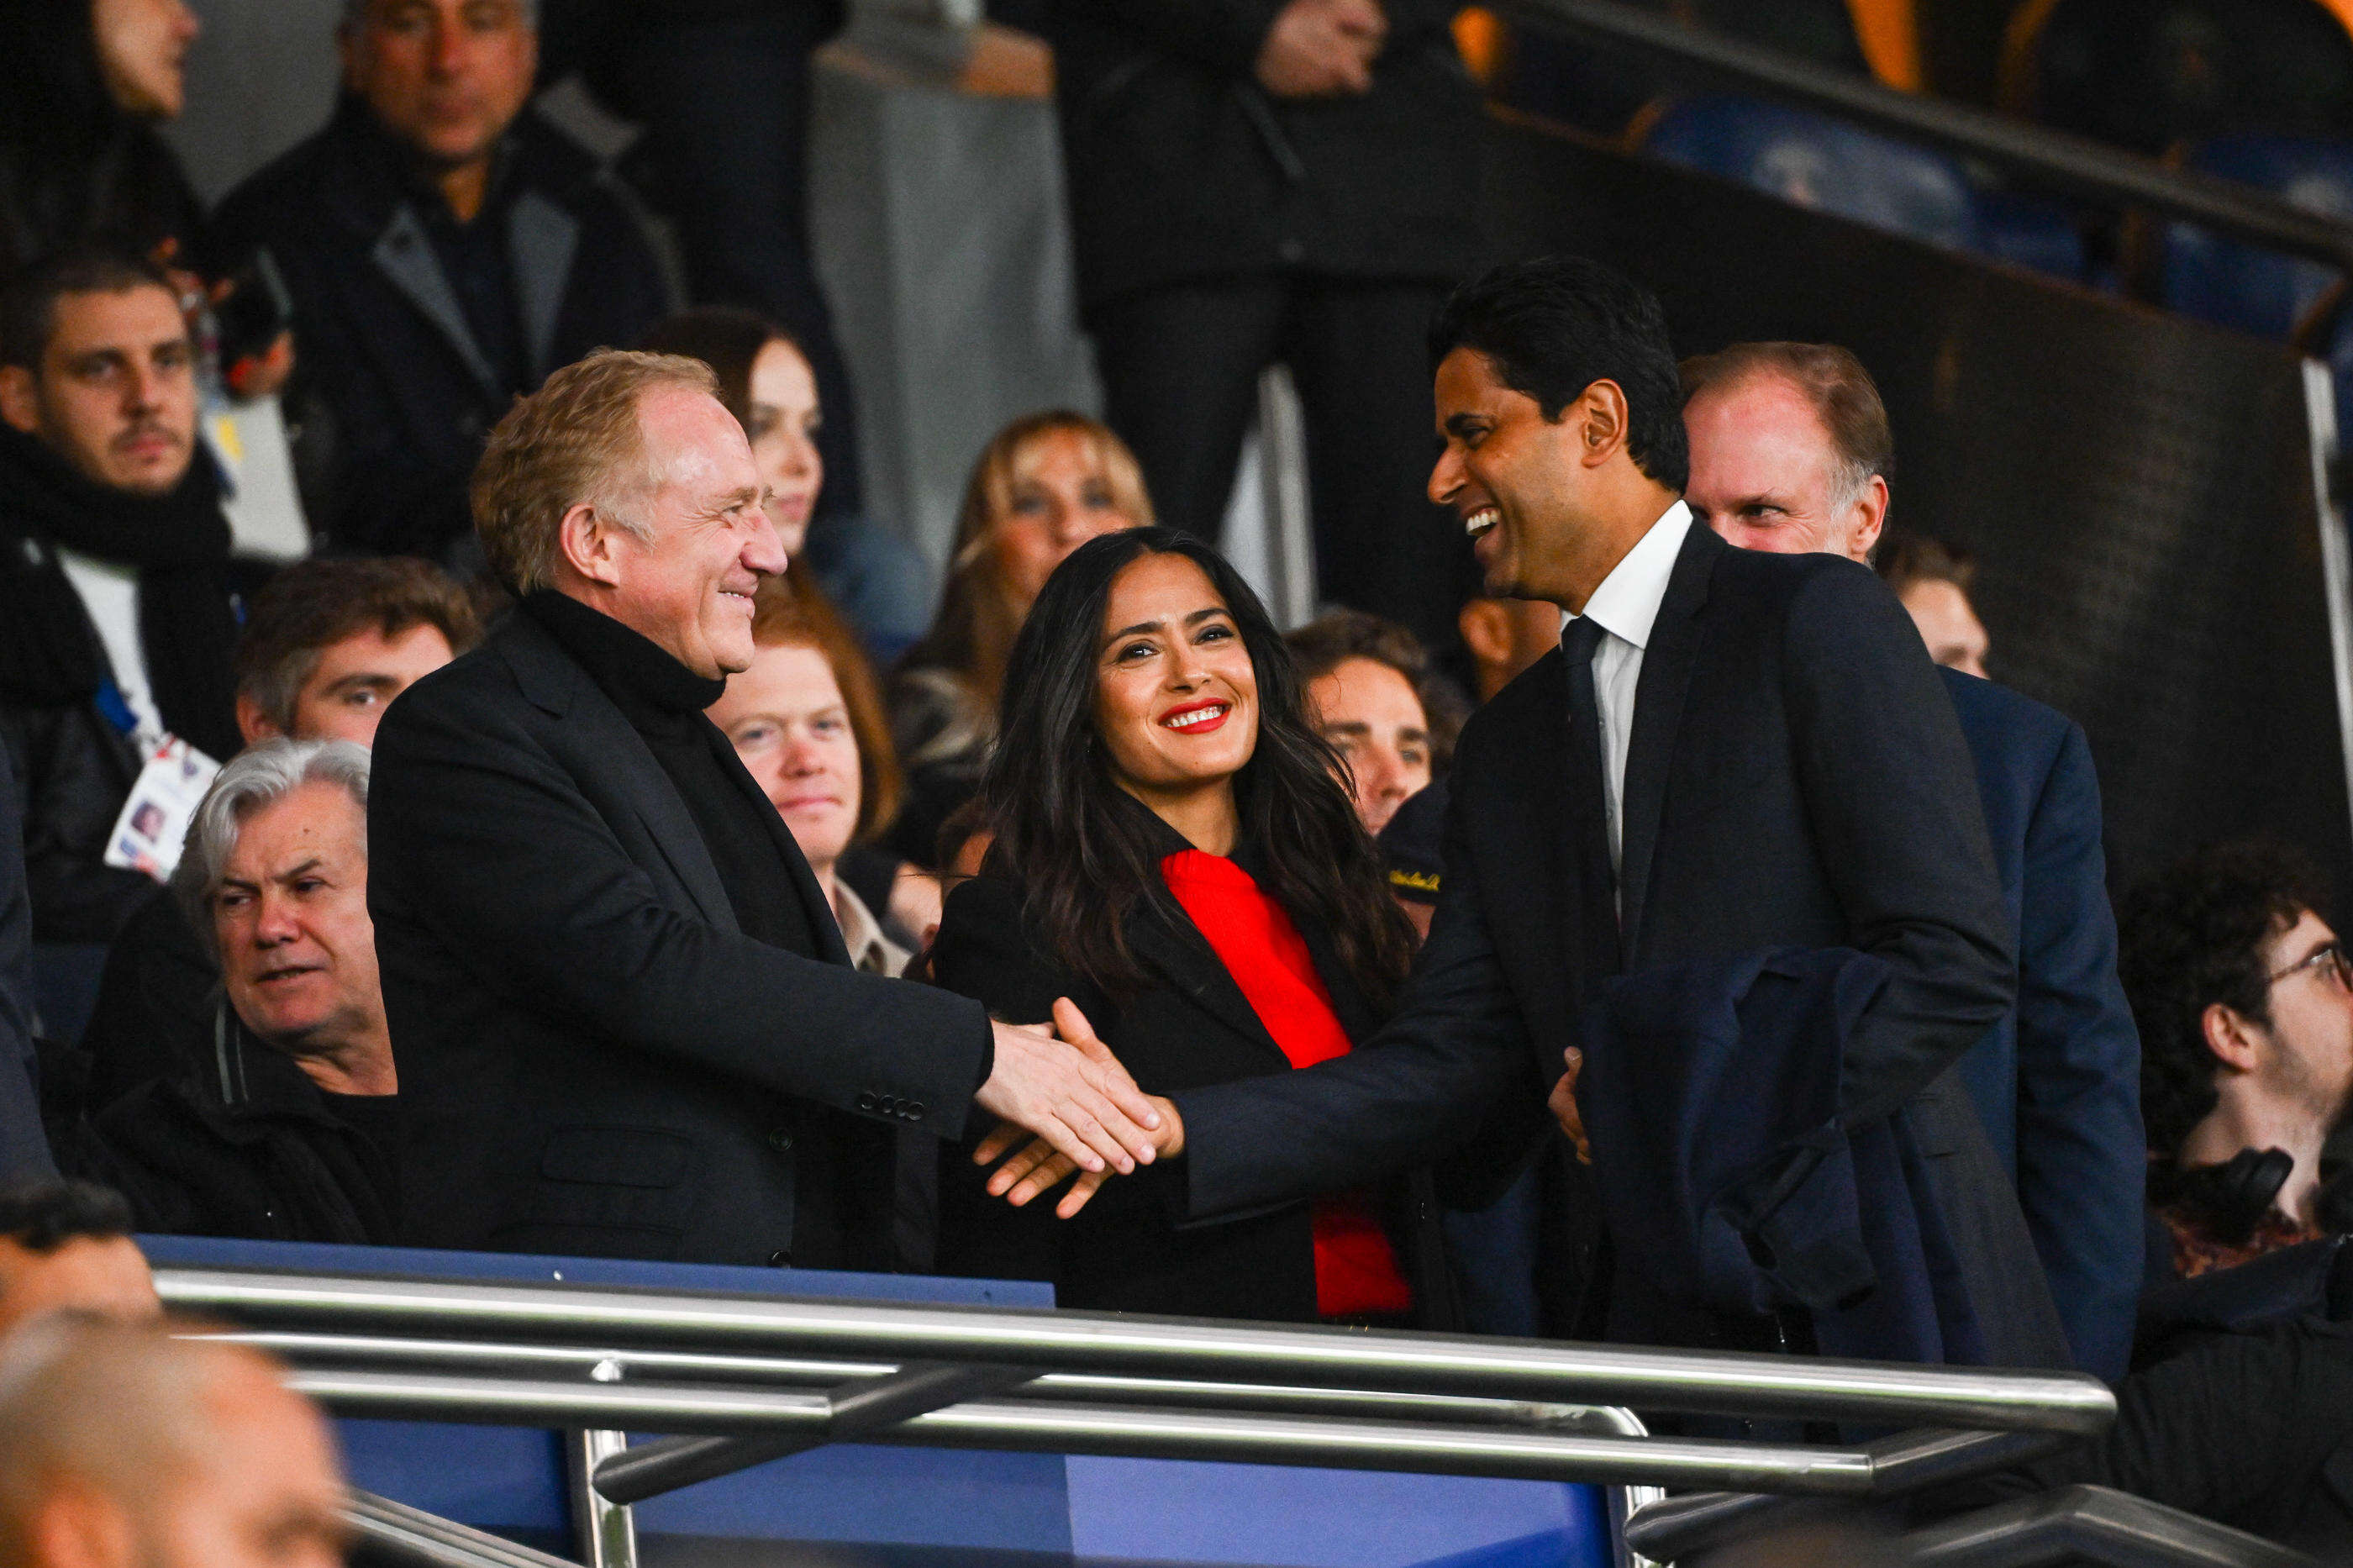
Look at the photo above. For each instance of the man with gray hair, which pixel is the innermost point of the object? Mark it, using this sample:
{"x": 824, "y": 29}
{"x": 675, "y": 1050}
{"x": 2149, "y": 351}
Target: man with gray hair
{"x": 628, "y": 1022}
{"x": 125, "y": 1445}
{"x": 288, "y": 1130}
{"x": 445, "y": 247}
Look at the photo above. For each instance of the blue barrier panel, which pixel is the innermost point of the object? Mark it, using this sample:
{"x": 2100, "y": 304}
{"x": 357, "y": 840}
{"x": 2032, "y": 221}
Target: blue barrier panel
{"x": 912, "y": 1508}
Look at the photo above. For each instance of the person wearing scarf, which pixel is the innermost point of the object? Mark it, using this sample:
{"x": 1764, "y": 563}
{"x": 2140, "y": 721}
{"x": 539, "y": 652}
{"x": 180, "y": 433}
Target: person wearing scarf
{"x": 98, "y": 488}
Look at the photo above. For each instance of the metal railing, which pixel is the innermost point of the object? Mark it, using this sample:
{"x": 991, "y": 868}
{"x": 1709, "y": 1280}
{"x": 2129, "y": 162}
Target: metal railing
{"x": 737, "y": 1380}
{"x": 2056, "y": 160}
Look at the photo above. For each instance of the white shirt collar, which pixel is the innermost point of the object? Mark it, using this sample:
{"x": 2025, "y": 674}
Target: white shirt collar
{"x": 1627, "y": 603}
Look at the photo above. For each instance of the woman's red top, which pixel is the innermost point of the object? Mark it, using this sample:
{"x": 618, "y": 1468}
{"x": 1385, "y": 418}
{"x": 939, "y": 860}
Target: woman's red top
{"x": 1356, "y": 1271}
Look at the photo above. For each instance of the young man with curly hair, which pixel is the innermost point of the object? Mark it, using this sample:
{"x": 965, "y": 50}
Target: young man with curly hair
{"x": 2245, "y": 999}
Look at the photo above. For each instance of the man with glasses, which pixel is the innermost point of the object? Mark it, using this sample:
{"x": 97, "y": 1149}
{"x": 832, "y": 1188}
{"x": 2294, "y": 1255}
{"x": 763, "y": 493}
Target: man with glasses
{"x": 2244, "y": 1000}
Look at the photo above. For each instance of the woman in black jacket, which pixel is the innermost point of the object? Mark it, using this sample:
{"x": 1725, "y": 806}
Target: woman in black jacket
{"x": 1175, "y": 853}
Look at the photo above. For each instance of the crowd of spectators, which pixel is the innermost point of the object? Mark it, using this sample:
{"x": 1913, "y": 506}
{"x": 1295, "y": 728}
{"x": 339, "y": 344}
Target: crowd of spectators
{"x": 591, "y": 851}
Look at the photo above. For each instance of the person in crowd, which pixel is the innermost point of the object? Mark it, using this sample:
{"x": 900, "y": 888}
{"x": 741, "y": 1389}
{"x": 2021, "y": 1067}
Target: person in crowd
{"x": 625, "y": 1016}
{"x": 1380, "y": 705}
{"x": 1790, "y": 452}
{"x": 1503, "y": 637}
{"x": 65, "y": 1245}
{"x": 287, "y": 1128}
{"x": 1932, "y": 580}
{"x": 1252, "y": 182}
{"x": 1043, "y": 486}
{"x": 23, "y": 1145}
{"x": 876, "y": 579}
{"x": 131, "y": 1446}
{"x": 445, "y": 247}
{"x": 82, "y": 85}
{"x": 2244, "y": 1002}
{"x": 327, "y": 644}
{"x": 1176, "y": 854}
{"x": 116, "y": 625}
{"x": 807, "y": 719}
{"x": 1705, "y": 698}
{"x": 724, "y": 90}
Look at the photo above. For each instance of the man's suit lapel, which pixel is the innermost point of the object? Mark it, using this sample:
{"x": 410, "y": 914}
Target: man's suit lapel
{"x": 554, "y": 681}
{"x": 1538, "y": 758}
{"x": 1659, "y": 701}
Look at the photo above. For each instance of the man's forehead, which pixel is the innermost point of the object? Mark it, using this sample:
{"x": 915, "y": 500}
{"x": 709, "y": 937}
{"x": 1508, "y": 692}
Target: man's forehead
{"x": 143, "y": 315}
{"x": 317, "y": 818}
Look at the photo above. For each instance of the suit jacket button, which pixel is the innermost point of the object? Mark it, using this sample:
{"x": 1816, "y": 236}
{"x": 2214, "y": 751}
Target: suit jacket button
{"x": 866, "y": 1102}
{"x": 781, "y": 1142}
{"x": 780, "y": 1258}
{"x": 915, "y": 1109}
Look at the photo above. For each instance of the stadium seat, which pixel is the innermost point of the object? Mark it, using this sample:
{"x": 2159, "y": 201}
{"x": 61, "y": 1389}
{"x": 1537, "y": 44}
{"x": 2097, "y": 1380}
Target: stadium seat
{"x": 1821, "y": 163}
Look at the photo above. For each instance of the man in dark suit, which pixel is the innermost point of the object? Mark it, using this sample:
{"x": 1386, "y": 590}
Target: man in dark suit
{"x": 1790, "y": 452}
{"x": 626, "y": 1022}
{"x": 1732, "y": 753}
{"x": 445, "y": 247}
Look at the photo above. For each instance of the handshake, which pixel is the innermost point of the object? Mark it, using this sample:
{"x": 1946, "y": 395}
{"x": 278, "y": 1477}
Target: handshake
{"x": 1060, "y": 1089}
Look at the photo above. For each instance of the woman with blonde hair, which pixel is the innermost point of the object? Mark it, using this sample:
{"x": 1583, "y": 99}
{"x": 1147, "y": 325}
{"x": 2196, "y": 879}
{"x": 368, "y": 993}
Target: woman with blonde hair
{"x": 1043, "y": 486}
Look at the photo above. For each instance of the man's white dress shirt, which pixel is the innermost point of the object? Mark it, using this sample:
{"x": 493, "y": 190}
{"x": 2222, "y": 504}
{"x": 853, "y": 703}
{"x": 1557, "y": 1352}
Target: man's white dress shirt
{"x": 1626, "y": 605}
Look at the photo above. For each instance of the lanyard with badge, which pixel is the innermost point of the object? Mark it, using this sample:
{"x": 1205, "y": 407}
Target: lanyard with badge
{"x": 153, "y": 824}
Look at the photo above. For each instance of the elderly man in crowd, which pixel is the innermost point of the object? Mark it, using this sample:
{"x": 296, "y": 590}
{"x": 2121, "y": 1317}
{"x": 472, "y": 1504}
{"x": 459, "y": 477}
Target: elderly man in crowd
{"x": 446, "y": 248}
{"x": 624, "y": 1013}
{"x": 66, "y": 1246}
{"x": 112, "y": 554}
{"x": 328, "y": 642}
{"x": 1790, "y": 453}
{"x": 128, "y": 1447}
{"x": 286, "y": 1128}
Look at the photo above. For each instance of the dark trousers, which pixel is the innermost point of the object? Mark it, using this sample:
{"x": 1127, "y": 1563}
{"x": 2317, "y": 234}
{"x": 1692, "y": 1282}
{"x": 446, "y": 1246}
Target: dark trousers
{"x": 725, "y": 106}
{"x": 1180, "y": 369}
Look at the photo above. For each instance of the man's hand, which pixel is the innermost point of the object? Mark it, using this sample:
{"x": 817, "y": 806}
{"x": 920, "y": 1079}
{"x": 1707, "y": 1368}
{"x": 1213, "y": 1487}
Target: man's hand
{"x": 1321, "y": 49}
{"x": 1072, "y": 1092}
{"x": 1562, "y": 1103}
{"x": 1039, "y": 1168}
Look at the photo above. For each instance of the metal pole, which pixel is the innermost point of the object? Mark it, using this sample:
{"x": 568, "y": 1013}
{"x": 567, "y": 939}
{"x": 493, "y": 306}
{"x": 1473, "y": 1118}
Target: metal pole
{"x": 393, "y": 1531}
{"x": 2071, "y": 163}
{"x": 497, "y": 1359}
{"x": 603, "y": 1527}
{"x": 1039, "y": 1427}
{"x": 1872, "y": 1392}
{"x": 2091, "y": 1524}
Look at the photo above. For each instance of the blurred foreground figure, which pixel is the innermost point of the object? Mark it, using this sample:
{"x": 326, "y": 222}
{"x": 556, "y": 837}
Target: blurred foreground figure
{"x": 66, "y": 1246}
{"x": 1789, "y": 454}
{"x": 121, "y": 1446}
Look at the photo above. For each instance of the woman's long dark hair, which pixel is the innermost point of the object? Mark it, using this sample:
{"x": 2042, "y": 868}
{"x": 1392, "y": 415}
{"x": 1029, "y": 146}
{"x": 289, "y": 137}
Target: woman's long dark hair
{"x": 1083, "y": 852}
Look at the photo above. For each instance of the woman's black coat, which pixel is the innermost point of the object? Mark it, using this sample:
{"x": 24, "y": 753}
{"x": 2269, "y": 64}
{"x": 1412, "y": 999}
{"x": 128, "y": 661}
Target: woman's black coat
{"x": 1192, "y": 1028}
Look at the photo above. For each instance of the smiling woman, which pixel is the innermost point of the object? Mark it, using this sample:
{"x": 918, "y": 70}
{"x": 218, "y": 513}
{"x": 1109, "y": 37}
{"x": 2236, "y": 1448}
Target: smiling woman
{"x": 1176, "y": 854}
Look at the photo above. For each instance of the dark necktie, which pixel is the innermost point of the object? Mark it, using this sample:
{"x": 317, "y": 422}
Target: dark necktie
{"x": 1597, "y": 883}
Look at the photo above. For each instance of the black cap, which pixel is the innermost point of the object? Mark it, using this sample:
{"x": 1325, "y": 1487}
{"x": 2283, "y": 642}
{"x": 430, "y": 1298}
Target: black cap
{"x": 1409, "y": 845}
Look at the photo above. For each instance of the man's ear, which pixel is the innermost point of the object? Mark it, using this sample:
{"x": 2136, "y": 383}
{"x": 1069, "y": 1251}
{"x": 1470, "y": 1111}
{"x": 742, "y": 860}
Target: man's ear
{"x": 253, "y": 724}
{"x": 1872, "y": 509}
{"x": 20, "y": 399}
{"x": 2235, "y": 1041}
{"x": 1599, "y": 414}
{"x": 1485, "y": 631}
{"x": 586, "y": 540}
{"x": 78, "y": 1526}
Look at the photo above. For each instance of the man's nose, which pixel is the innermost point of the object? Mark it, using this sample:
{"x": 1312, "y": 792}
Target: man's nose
{"x": 274, "y": 924}
{"x": 763, "y": 548}
{"x": 446, "y": 51}
{"x": 1446, "y": 476}
{"x": 146, "y": 385}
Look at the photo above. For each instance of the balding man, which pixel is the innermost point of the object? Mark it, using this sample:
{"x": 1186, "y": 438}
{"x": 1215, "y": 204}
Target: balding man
{"x": 126, "y": 1447}
{"x": 626, "y": 1021}
{"x": 1790, "y": 453}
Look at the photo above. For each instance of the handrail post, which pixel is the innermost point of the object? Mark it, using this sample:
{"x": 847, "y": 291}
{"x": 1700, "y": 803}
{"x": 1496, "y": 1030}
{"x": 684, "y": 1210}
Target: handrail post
{"x": 605, "y": 1530}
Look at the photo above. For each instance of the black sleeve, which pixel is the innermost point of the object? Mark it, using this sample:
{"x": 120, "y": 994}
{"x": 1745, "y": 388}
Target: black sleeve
{"x": 485, "y": 840}
{"x": 1891, "y": 794}
{"x": 23, "y": 1151}
{"x": 1219, "y": 36}
{"x": 1456, "y": 1053}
